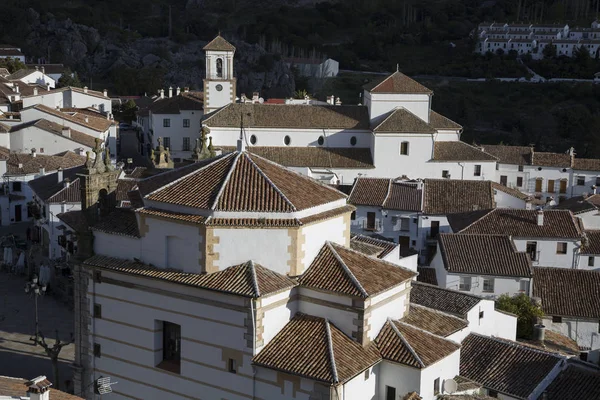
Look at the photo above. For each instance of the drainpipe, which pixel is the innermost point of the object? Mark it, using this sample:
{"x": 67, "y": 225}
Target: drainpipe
{"x": 462, "y": 171}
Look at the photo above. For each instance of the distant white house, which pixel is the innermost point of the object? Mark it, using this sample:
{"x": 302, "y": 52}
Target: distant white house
{"x": 8, "y": 51}
{"x": 33, "y": 76}
{"x": 314, "y": 67}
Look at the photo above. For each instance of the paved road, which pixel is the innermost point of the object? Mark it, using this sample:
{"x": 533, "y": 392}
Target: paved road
{"x": 18, "y": 356}
{"x": 130, "y": 148}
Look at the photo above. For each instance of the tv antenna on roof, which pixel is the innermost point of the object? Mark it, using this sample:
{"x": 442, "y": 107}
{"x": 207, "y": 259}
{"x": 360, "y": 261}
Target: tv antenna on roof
{"x": 104, "y": 385}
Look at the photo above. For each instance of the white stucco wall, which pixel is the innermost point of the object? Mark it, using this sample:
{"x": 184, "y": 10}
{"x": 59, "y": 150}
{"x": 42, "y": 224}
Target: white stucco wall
{"x": 505, "y": 200}
{"x": 32, "y": 114}
{"x": 328, "y": 305}
{"x": 583, "y": 331}
{"x": 546, "y": 249}
{"x": 359, "y": 388}
{"x": 278, "y": 310}
{"x": 389, "y": 162}
{"x": 26, "y": 139}
{"x": 176, "y": 132}
{"x": 268, "y": 387}
{"x": 315, "y": 235}
{"x": 502, "y": 284}
{"x": 381, "y": 103}
{"x": 446, "y": 368}
{"x": 404, "y": 379}
{"x": 117, "y": 246}
{"x": 383, "y": 307}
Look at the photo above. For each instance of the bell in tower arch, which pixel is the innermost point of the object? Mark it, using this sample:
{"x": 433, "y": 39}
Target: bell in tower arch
{"x": 219, "y": 67}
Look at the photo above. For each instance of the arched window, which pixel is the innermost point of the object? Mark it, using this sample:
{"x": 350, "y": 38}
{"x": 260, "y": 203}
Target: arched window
{"x": 321, "y": 140}
{"x": 353, "y": 140}
{"x": 287, "y": 140}
{"x": 253, "y": 139}
{"x": 219, "y": 67}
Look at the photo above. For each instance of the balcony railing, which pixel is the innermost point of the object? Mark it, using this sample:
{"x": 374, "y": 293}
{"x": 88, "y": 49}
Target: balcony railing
{"x": 372, "y": 227}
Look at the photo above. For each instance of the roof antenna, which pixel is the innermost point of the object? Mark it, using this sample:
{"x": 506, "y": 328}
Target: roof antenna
{"x": 241, "y": 144}
{"x": 397, "y": 67}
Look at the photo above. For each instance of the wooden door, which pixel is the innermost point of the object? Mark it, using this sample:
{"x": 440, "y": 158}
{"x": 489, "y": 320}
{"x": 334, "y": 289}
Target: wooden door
{"x": 538, "y": 184}
{"x": 435, "y": 229}
{"x": 371, "y": 220}
{"x": 404, "y": 242}
{"x": 551, "y": 186}
{"x": 563, "y": 186}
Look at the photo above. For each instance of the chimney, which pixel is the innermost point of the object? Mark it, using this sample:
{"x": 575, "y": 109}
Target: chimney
{"x": 338, "y": 102}
{"x": 36, "y": 67}
{"x": 33, "y": 153}
{"x": 66, "y": 131}
{"x": 331, "y": 99}
{"x": 170, "y": 91}
{"x": 39, "y": 388}
{"x": 35, "y": 91}
{"x": 85, "y": 89}
{"x": 594, "y": 189}
{"x": 42, "y": 171}
{"x": 59, "y": 174}
{"x": 572, "y": 156}
{"x": 162, "y": 93}
{"x": 17, "y": 88}
{"x": 48, "y": 86}
{"x": 67, "y": 182}
{"x": 243, "y": 98}
{"x": 178, "y": 91}
{"x": 43, "y": 70}
{"x": 105, "y": 93}
{"x": 20, "y": 165}
{"x": 539, "y": 334}
{"x": 540, "y": 217}
{"x": 87, "y": 120}
{"x": 255, "y": 96}
{"x": 186, "y": 89}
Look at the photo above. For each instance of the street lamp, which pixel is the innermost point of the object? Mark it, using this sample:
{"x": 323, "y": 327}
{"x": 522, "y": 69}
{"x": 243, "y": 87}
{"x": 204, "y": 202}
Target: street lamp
{"x": 36, "y": 289}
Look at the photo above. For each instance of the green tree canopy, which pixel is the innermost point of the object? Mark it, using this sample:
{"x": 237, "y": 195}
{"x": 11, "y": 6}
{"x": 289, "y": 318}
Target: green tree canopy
{"x": 12, "y": 64}
{"x": 69, "y": 78}
{"x": 549, "y": 51}
{"x": 526, "y": 310}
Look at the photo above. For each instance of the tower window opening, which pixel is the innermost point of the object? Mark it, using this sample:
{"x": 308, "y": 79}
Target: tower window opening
{"x": 219, "y": 67}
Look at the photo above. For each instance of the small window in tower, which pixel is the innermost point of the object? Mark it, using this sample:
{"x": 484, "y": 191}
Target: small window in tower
{"x": 219, "y": 68}
{"x": 321, "y": 140}
{"x": 253, "y": 139}
{"x": 287, "y": 140}
{"x": 353, "y": 140}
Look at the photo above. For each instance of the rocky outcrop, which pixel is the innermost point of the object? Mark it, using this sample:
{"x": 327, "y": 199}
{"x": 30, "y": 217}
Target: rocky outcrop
{"x": 91, "y": 54}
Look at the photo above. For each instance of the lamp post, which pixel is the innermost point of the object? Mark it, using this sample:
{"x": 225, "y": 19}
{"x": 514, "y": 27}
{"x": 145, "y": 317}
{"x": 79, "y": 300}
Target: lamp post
{"x": 36, "y": 289}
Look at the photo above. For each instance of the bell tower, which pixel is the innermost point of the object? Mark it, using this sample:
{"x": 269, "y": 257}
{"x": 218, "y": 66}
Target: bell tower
{"x": 219, "y": 82}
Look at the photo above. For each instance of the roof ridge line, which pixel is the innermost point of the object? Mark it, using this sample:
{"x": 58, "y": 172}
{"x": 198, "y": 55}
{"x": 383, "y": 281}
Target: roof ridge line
{"x": 347, "y": 270}
{"x": 391, "y": 113}
{"x": 426, "y": 331}
{"x": 254, "y": 278}
{"x": 435, "y": 311}
{"x": 403, "y": 339}
{"x": 520, "y": 345}
{"x": 62, "y": 189}
{"x": 331, "y": 353}
{"x": 216, "y": 112}
{"x": 226, "y": 180}
{"x": 429, "y": 285}
{"x": 260, "y": 171}
{"x": 380, "y": 259}
{"x": 477, "y": 220}
{"x": 182, "y": 177}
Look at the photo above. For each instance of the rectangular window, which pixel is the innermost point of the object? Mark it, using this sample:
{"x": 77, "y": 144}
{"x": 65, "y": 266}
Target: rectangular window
{"x": 581, "y": 181}
{"x": 171, "y": 347}
{"x": 370, "y": 221}
{"x": 167, "y": 142}
{"x": 556, "y": 319}
{"x": 186, "y": 123}
{"x": 166, "y": 123}
{"x": 353, "y": 215}
{"x": 524, "y": 286}
{"x": 404, "y": 224}
{"x": 538, "y": 184}
{"x": 531, "y": 249}
{"x": 561, "y": 248}
{"x": 232, "y": 366}
{"x": 16, "y": 186}
{"x": 465, "y": 284}
{"x": 404, "y": 148}
{"x": 186, "y": 144}
{"x": 519, "y": 181}
{"x": 445, "y": 174}
{"x": 481, "y": 314}
{"x": 492, "y": 393}
{"x": 477, "y": 170}
{"x": 563, "y": 186}
{"x": 97, "y": 350}
{"x": 436, "y": 386}
{"x": 97, "y": 310}
{"x": 488, "y": 285}
{"x": 390, "y": 393}
{"x": 503, "y": 180}
{"x": 598, "y": 181}
{"x": 590, "y": 261}
{"x": 551, "y": 185}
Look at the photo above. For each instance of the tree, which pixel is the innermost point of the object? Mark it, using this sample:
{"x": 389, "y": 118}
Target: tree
{"x": 300, "y": 94}
{"x": 549, "y": 51}
{"x": 128, "y": 111}
{"x": 526, "y": 310}
{"x": 53, "y": 353}
{"x": 12, "y": 64}
{"x": 69, "y": 78}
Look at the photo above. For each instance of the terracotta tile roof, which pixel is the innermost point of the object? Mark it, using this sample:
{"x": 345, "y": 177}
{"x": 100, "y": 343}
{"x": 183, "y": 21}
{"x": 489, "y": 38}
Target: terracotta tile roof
{"x": 95, "y": 123}
{"x": 385, "y": 247}
{"x": 313, "y": 157}
{"x": 397, "y": 83}
{"x": 459, "y": 151}
{"x": 494, "y": 255}
{"x": 447, "y": 196}
{"x": 445, "y": 300}
{"x": 517, "y": 155}
{"x": 523, "y": 223}
{"x": 137, "y": 173}
{"x": 505, "y": 366}
{"x": 434, "y": 321}
{"x": 365, "y": 248}
{"x": 579, "y": 204}
{"x": 18, "y": 387}
{"x": 20, "y": 74}
{"x": 48, "y": 126}
{"x": 427, "y": 275}
{"x": 292, "y": 116}
{"x": 592, "y": 243}
{"x": 196, "y": 219}
{"x": 412, "y": 396}
{"x": 409, "y": 345}
{"x": 386, "y": 193}
{"x": 219, "y": 44}
{"x": 586, "y": 164}
{"x": 25, "y": 164}
{"x": 314, "y": 348}
{"x": 510, "y": 191}
{"x": 459, "y": 221}
{"x": 242, "y": 182}
{"x": 439, "y": 122}
{"x": 75, "y": 219}
{"x": 555, "y": 342}
{"x": 401, "y": 120}
{"x": 582, "y": 286}
{"x": 73, "y": 89}
{"x": 575, "y": 383}
{"x": 254, "y": 222}
{"x": 50, "y": 190}
{"x": 348, "y": 272}
{"x": 193, "y": 101}
{"x": 49, "y": 68}
{"x": 248, "y": 279}
{"x": 120, "y": 221}
{"x": 124, "y": 186}
{"x": 557, "y": 160}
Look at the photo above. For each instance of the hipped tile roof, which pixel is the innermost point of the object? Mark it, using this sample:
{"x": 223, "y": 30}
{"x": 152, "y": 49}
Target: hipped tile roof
{"x": 405, "y": 344}
{"x": 523, "y": 223}
{"x": 459, "y": 151}
{"x": 121, "y": 222}
{"x": 397, "y": 83}
{"x": 517, "y": 155}
{"x": 592, "y": 243}
{"x": 385, "y": 247}
{"x": 95, "y": 123}
{"x": 434, "y": 321}
{"x": 152, "y": 212}
{"x": 505, "y": 366}
{"x": 401, "y": 120}
{"x": 586, "y": 164}
{"x": 190, "y": 101}
{"x": 579, "y": 204}
{"x": 219, "y": 44}
{"x": 445, "y": 300}
{"x": 575, "y": 382}
{"x": 386, "y": 193}
{"x": 341, "y": 270}
{"x": 292, "y": 116}
{"x": 427, "y": 275}
{"x": 248, "y": 279}
{"x": 447, "y": 196}
{"x": 25, "y": 164}
{"x": 240, "y": 182}
{"x": 510, "y": 191}
{"x": 17, "y": 388}
{"x": 313, "y": 157}
{"x": 50, "y": 190}
{"x": 439, "y": 122}
{"x": 314, "y": 348}
{"x": 494, "y": 255}
{"x": 75, "y": 219}
{"x": 568, "y": 292}
{"x": 57, "y": 129}
{"x": 556, "y": 160}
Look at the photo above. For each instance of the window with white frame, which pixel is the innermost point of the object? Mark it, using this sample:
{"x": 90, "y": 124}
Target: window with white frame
{"x": 404, "y": 224}
{"x": 524, "y": 286}
{"x": 561, "y": 248}
{"x": 186, "y": 144}
{"x": 166, "y": 122}
{"x": 465, "y": 284}
{"x": 477, "y": 171}
{"x": 186, "y": 123}
{"x": 404, "y": 148}
{"x": 488, "y": 285}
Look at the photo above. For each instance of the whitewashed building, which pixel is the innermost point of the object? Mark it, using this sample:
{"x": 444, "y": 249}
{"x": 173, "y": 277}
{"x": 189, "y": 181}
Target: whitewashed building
{"x": 589, "y": 254}
{"x": 32, "y": 77}
{"x": 14, "y": 52}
